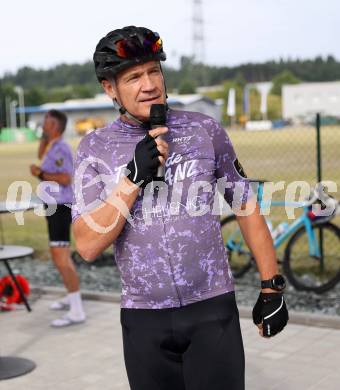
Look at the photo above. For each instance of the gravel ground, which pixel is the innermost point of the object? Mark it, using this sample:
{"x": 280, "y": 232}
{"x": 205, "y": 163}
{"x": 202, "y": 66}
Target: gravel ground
{"x": 105, "y": 278}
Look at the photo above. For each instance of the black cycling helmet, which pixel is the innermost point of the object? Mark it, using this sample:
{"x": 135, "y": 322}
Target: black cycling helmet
{"x": 126, "y": 47}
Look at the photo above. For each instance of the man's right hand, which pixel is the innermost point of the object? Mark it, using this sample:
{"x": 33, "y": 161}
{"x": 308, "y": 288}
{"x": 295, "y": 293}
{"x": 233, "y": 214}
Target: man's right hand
{"x": 149, "y": 154}
{"x": 35, "y": 170}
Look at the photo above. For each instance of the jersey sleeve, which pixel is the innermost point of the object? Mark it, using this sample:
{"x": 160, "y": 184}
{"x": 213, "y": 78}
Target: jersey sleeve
{"x": 237, "y": 188}
{"x": 87, "y": 183}
{"x": 63, "y": 160}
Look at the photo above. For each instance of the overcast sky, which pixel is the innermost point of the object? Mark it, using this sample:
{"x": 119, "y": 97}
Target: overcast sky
{"x": 43, "y": 33}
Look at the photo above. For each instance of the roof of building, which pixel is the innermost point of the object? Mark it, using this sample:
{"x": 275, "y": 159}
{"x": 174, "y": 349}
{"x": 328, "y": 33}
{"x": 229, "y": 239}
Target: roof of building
{"x": 103, "y": 102}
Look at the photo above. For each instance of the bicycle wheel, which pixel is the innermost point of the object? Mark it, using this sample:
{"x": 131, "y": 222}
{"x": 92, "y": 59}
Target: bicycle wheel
{"x": 312, "y": 273}
{"x": 239, "y": 256}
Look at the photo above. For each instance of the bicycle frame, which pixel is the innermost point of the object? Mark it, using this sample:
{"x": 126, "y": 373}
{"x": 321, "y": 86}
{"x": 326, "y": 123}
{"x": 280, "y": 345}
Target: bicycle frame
{"x": 304, "y": 220}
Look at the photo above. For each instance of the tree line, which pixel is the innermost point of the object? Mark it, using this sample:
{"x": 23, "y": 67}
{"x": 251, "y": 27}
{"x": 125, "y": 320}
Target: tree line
{"x": 67, "y": 81}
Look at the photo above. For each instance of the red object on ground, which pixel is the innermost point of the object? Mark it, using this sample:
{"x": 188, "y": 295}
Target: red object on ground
{"x": 9, "y": 293}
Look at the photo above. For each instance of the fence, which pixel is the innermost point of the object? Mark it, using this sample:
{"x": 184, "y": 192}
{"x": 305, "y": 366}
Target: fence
{"x": 290, "y": 154}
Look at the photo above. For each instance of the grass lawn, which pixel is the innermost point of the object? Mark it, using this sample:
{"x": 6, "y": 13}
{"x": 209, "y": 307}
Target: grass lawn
{"x": 288, "y": 155}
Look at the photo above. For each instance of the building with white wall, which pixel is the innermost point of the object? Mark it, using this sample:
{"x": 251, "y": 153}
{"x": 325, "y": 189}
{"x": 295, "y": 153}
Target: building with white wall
{"x": 306, "y": 99}
{"x": 197, "y": 103}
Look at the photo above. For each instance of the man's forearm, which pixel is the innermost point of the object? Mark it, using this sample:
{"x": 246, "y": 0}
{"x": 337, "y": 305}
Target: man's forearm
{"x": 42, "y": 146}
{"x": 61, "y": 178}
{"x": 97, "y": 230}
{"x": 259, "y": 241}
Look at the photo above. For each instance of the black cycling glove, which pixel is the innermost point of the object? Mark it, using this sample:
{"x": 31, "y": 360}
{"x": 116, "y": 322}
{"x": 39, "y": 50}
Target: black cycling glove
{"x": 270, "y": 310}
{"x": 143, "y": 166}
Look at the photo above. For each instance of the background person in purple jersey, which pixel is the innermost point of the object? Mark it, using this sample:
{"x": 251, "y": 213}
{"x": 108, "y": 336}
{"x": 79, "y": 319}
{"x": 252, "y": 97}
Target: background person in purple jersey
{"x": 56, "y": 168}
{"x": 180, "y": 322}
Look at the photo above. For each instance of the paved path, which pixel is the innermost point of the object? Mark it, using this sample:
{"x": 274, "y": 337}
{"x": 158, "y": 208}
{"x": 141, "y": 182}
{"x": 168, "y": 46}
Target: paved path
{"x": 89, "y": 357}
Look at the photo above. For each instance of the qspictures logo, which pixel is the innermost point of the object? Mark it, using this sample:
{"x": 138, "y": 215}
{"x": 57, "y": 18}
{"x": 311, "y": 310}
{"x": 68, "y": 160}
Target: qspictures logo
{"x": 197, "y": 198}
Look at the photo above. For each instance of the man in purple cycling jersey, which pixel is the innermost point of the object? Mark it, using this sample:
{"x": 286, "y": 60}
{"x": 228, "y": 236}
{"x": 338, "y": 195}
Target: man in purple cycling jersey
{"x": 179, "y": 317}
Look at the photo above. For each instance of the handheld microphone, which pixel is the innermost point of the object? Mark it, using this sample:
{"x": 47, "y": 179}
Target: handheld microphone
{"x": 158, "y": 119}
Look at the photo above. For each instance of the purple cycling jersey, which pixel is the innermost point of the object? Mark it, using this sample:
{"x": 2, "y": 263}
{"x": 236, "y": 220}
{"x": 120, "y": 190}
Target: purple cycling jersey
{"x": 58, "y": 159}
{"x": 170, "y": 252}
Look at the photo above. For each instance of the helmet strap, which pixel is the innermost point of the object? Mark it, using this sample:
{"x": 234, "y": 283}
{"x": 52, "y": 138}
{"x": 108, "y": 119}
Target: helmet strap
{"x": 123, "y": 111}
{"x": 166, "y": 93}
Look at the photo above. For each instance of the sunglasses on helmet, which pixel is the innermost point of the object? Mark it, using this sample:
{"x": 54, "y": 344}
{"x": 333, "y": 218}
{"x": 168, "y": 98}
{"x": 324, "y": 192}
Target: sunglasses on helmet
{"x": 133, "y": 47}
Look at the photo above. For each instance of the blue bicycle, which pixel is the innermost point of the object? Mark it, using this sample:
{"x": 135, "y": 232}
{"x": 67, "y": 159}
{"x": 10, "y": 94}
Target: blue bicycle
{"x": 311, "y": 259}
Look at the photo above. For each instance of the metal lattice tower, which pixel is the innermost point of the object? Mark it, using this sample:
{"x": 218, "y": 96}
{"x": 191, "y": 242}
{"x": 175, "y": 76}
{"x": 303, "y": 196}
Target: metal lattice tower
{"x": 198, "y": 32}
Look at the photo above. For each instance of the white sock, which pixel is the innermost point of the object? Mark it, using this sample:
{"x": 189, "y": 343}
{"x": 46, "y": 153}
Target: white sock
{"x": 76, "y": 305}
{"x": 65, "y": 300}
{"x": 60, "y": 304}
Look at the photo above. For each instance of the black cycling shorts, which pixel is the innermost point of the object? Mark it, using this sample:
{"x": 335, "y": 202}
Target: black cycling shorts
{"x": 194, "y": 347}
{"x": 59, "y": 224}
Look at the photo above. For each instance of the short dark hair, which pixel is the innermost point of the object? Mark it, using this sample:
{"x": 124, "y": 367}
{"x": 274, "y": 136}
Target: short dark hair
{"x": 60, "y": 117}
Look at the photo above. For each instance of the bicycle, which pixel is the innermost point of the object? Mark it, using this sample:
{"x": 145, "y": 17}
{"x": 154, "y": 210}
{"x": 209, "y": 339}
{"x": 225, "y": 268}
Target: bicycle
{"x": 311, "y": 258}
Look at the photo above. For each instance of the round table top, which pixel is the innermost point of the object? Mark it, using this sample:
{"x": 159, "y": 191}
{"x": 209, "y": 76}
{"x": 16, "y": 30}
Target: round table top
{"x": 12, "y": 207}
{"x": 8, "y": 252}
{"x": 11, "y": 367}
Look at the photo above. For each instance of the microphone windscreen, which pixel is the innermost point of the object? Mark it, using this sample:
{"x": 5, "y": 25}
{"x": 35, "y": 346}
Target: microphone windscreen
{"x": 157, "y": 115}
